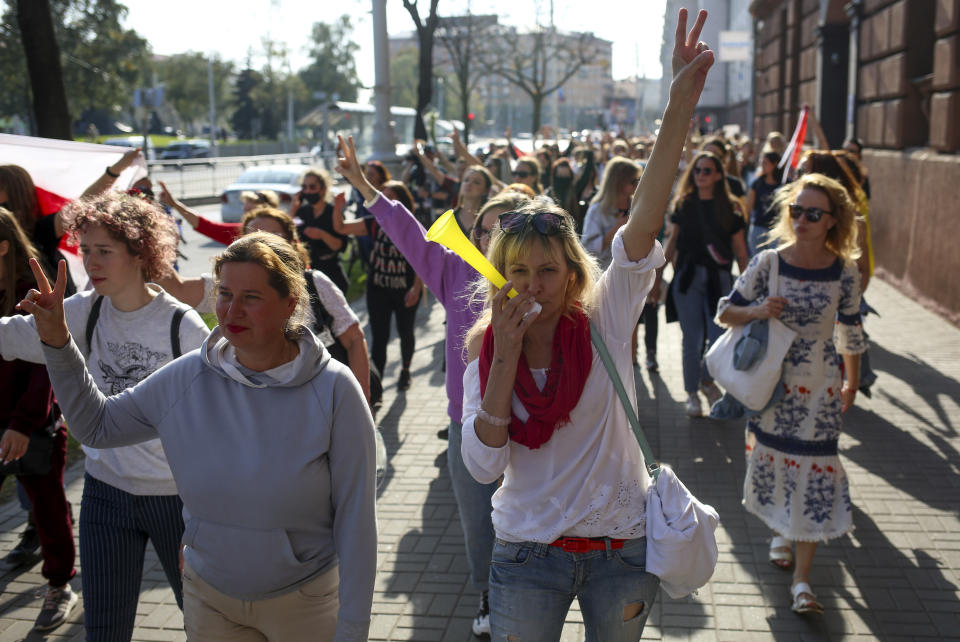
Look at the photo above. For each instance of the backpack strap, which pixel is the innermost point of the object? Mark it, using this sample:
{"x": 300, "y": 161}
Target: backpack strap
{"x": 321, "y": 316}
{"x": 175, "y": 331}
{"x": 92, "y": 321}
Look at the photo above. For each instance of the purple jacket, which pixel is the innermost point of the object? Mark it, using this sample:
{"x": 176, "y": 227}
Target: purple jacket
{"x": 448, "y": 277}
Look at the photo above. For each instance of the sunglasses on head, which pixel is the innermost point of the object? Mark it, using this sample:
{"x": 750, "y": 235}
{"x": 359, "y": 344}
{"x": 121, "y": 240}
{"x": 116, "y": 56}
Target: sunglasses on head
{"x": 706, "y": 171}
{"x": 812, "y": 214}
{"x": 521, "y": 173}
{"x": 546, "y": 223}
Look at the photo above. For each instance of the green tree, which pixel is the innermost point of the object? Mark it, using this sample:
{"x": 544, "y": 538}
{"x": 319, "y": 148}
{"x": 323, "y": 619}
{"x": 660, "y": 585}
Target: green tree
{"x": 246, "y": 116}
{"x": 403, "y": 78}
{"x": 186, "y": 87}
{"x": 103, "y": 62}
{"x": 333, "y": 70}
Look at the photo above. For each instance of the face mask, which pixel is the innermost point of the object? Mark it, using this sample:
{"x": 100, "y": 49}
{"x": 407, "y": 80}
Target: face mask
{"x": 312, "y": 198}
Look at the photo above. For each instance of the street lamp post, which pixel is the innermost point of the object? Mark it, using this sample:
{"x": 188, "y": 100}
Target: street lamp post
{"x": 384, "y": 140}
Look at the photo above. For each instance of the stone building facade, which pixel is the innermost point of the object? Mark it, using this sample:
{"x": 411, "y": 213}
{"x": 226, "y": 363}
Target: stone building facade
{"x": 888, "y": 73}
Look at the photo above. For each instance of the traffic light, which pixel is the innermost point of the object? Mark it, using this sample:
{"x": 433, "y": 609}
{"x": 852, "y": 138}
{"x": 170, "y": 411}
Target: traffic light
{"x": 470, "y": 116}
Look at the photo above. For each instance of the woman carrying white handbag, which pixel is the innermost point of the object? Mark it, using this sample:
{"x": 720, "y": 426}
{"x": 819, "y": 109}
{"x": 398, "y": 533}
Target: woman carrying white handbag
{"x": 541, "y": 410}
{"x": 795, "y": 482}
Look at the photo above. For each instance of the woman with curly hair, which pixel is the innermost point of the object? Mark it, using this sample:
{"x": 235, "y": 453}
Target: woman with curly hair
{"x": 125, "y": 328}
{"x": 795, "y": 481}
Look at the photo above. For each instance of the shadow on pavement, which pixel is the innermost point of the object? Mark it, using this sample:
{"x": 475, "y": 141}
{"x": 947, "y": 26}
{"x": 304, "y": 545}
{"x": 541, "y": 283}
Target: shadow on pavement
{"x": 388, "y": 420}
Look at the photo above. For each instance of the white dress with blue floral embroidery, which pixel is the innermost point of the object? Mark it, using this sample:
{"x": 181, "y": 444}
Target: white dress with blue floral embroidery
{"x": 795, "y": 482}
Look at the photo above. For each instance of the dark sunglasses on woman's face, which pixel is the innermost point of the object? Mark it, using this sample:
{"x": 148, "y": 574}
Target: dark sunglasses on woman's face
{"x": 520, "y": 173}
{"x": 310, "y": 187}
{"x": 479, "y": 233}
{"x": 706, "y": 171}
{"x": 812, "y": 214}
{"x": 546, "y": 223}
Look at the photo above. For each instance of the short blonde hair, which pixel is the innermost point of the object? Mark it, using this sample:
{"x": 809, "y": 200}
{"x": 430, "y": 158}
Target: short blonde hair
{"x": 507, "y": 248}
{"x": 284, "y": 272}
{"x": 282, "y": 219}
{"x": 841, "y": 238}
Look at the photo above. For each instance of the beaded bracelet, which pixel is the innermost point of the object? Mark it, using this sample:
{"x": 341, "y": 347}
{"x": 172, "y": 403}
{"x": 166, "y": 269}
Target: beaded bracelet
{"x": 490, "y": 419}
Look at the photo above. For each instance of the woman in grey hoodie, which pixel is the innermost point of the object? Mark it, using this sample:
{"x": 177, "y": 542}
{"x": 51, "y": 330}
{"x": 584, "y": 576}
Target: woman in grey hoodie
{"x": 270, "y": 442}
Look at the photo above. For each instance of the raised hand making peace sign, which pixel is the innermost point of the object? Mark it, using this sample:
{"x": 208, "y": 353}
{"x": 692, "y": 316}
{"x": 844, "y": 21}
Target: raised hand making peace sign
{"x": 46, "y": 306}
{"x": 691, "y": 60}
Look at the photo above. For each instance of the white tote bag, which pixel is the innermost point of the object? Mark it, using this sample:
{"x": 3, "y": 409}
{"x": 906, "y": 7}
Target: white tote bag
{"x": 754, "y": 386}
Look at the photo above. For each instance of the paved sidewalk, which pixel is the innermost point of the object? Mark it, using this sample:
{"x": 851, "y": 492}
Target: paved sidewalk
{"x": 896, "y": 576}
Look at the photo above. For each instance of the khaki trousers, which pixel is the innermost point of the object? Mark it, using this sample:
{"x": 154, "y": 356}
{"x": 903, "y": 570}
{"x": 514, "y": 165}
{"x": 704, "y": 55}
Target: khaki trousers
{"x": 308, "y": 613}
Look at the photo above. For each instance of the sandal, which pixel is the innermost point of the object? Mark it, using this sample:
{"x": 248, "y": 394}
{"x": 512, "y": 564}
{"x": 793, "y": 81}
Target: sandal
{"x": 804, "y": 599}
{"x": 781, "y": 553}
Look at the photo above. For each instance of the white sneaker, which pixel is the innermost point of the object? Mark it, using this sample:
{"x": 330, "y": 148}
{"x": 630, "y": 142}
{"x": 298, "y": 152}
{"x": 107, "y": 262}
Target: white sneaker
{"x": 56, "y": 607}
{"x": 481, "y": 623}
{"x": 711, "y": 392}
{"x": 694, "y": 409}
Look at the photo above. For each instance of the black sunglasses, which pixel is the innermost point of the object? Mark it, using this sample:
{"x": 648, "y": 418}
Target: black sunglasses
{"x": 706, "y": 171}
{"x": 307, "y": 187}
{"x": 812, "y": 214}
{"x": 546, "y": 223}
{"x": 521, "y": 173}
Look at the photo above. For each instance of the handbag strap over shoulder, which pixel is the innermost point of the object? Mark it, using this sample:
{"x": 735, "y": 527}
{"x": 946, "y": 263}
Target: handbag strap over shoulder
{"x": 773, "y": 285}
{"x": 652, "y": 466}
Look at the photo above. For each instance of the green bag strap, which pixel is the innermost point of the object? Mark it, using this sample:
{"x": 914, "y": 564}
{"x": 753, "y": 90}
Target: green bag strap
{"x": 652, "y": 466}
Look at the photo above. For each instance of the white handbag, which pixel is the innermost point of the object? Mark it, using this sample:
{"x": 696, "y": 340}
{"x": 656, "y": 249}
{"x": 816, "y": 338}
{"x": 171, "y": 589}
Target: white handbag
{"x": 753, "y": 386}
{"x": 681, "y": 531}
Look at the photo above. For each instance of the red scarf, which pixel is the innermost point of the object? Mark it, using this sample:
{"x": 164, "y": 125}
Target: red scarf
{"x": 550, "y": 408}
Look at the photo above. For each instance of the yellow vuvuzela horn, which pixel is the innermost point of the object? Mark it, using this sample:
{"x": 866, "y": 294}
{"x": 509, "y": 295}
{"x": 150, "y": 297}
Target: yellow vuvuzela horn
{"x": 446, "y": 231}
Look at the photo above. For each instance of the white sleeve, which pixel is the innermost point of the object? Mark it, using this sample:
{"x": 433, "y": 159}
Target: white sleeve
{"x": 623, "y": 288}
{"x": 207, "y": 304}
{"x": 18, "y": 333}
{"x": 335, "y": 303}
{"x": 484, "y": 463}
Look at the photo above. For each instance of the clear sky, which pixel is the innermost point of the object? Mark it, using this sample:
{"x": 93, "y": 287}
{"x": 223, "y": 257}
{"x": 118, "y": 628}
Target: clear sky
{"x": 231, "y": 28}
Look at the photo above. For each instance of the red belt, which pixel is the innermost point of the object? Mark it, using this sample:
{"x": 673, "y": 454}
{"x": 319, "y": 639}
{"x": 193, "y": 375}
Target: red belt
{"x": 585, "y": 544}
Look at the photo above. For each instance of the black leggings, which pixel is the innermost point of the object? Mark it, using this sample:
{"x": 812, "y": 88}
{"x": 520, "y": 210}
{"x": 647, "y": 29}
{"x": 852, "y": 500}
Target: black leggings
{"x": 381, "y": 303}
{"x": 650, "y": 323}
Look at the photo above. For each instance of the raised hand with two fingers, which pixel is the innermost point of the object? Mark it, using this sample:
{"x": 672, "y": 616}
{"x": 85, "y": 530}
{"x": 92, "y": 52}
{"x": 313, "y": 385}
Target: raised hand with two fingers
{"x": 46, "y": 306}
{"x": 692, "y": 59}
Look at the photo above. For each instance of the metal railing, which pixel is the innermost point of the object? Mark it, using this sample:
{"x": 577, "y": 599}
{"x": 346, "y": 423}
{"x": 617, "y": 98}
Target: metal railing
{"x": 198, "y": 178}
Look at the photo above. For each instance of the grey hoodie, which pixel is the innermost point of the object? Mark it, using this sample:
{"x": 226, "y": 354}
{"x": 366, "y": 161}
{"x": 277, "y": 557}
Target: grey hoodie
{"x": 277, "y": 477}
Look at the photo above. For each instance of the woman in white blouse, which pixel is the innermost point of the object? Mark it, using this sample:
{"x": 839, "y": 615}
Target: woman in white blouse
{"x": 541, "y": 410}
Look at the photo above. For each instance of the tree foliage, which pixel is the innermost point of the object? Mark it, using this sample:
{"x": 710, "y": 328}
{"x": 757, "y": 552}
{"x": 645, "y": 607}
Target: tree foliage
{"x": 101, "y": 61}
{"x": 539, "y": 62}
{"x": 403, "y": 77}
{"x": 185, "y": 79}
{"x": 425, "y": 35}
{"x": 333, "y": 70}
{"x": 466, "y": 40}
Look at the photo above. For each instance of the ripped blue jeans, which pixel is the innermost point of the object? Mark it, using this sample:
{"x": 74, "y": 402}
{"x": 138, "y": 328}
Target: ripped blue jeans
{"x": 532, "y": 586}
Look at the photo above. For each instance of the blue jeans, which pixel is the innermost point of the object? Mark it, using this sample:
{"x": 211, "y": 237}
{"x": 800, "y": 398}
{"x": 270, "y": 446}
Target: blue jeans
{"x": 697, "y": 326}
{"x": 532, "y": 586}
{"x": 473, "y": 504}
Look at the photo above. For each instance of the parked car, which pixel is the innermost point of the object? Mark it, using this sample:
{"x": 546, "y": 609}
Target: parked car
{"x": 197, "y": 148}
{"x": 282, "y": 179}
{"x": 133, "y": 141}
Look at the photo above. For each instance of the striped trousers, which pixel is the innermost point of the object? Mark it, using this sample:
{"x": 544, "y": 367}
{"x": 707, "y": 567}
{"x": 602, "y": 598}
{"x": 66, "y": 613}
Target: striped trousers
{"x": 114, "y": 529}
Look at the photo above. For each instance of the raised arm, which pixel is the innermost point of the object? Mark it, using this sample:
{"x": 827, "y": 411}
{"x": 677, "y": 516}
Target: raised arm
{"x": 462, "y": 151}
{"x": 428, "y": 164}
{"x": 691, "y": 61}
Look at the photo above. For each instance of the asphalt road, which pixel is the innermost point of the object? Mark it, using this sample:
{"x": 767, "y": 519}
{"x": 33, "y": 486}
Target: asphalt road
{"x": 198, "y": 249}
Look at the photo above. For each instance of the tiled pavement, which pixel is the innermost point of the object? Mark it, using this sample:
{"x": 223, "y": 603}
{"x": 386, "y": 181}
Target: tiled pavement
{"x": 895, "y": 577}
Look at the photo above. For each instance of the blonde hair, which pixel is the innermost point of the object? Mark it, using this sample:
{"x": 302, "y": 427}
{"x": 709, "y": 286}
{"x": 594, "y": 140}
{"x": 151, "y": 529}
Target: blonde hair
{"x": 507, "y": 248}
{"x": 15, "y": 263}
{"x": 284, "y": 272}
{"x": 620, "y": 170}
{"x": 284, "y": 220}
{"x": 841, "y": 238}
{"x": 265, "y": 197}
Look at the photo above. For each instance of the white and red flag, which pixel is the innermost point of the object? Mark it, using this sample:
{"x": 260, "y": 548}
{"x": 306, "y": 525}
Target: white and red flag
{"x": 61, "y": 170}
{"x": 791, "y": 155}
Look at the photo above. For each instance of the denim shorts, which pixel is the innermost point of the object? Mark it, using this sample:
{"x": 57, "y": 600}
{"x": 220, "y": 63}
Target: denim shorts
{"x": 532, "y": 586}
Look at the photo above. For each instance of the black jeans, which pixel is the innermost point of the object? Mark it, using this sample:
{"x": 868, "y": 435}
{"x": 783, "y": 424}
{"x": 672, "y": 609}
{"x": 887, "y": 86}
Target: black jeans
{"x": 651, "y": 325}
{"x": 381, "y": 304}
